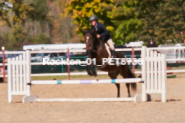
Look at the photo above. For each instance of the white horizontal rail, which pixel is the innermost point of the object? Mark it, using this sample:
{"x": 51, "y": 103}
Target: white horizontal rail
{"x": 101, "y": 81}
{"x": 2, "y": 64}
{"x": 85, "y": 73}
{"x": 2, "y": 75}
{"x": 13, "y": 52}
{"x": 47, "y": 51}
{"x": 83, "y": 50}
{"x": 36, "y": 63}
{"x": 82, "y": 99}
{"x": 177, "y": 59}
{"x": 71, "y": 50}
{"x": 166, "y": 48}
{"x": 175, "y": 71}
{"x": 77, "y": 73}
{"x": 84, "y": 62}
{"x": 127, "y": 49}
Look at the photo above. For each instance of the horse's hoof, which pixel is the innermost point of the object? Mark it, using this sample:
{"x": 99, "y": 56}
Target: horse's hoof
{"x": 94, "y": 73}
{"x": 90, "y": 74}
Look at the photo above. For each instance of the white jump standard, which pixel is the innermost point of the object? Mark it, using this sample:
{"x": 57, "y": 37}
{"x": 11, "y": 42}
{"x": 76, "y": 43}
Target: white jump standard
{"x": 19, "y": 80}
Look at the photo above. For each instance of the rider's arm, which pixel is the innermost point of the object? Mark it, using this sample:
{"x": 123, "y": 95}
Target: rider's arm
{"x": 104, "y": 31}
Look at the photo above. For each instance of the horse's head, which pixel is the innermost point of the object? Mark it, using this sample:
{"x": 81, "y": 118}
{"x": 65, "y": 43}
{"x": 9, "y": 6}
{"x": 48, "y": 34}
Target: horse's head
{"x": 91, "y": 46}
{"x": 90, "y": 39}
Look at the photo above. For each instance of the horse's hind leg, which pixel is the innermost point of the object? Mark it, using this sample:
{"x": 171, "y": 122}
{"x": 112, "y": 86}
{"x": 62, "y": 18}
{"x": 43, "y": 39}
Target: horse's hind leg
{"x": 125, "y": 72}
{"x": 113, "y": 75}
{"x": 128, "y": 89}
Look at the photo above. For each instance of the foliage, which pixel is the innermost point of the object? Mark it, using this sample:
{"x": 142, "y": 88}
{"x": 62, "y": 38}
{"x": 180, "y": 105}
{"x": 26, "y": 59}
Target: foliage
{"x": 41, "y": 39}
{"x": 50, "y": 21}
{"x": 3, "y": 14}
{"x": 18, "y": 36}
{"x": 14, "y": 11}
{"x": 81, "y": 10}
{"x": 15, "y": 39}
{"x": 40, "y": 10}
{"x": 133, "y": 20}
{"x": 19, "y": 14}
{"x": 22, "y": 10}
{"x": 168, "y": 23}
{"x": 142, "y": 19}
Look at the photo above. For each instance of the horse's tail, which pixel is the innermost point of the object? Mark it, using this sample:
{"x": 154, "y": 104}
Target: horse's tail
{"x": 133, "y": 85}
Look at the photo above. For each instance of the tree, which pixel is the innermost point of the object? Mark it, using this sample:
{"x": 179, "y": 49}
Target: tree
{"x": 22, "y": 18}
{"x": 132, "y": 20}
{"x": 81, "y": 10}
{"x": 142, "y": 19}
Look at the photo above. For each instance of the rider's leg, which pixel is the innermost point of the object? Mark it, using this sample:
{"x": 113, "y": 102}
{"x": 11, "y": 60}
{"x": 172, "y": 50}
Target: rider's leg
{"x": 111, "y": 45}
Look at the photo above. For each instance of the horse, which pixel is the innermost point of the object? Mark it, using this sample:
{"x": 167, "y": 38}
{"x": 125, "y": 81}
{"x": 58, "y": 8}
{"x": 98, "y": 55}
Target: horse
{"x": 95, "y": 48}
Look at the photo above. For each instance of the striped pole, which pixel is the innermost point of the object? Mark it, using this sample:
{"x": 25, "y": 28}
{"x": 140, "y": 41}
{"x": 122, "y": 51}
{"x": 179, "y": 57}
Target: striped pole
{"x": 101, "y": 81}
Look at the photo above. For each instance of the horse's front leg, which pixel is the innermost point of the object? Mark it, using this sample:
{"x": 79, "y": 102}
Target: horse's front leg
{"x": 91, "y": 70}
{"x": 88, "y": 71}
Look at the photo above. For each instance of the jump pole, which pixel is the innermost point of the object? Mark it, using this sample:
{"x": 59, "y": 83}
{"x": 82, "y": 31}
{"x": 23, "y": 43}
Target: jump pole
{"x": 136, "y": 98}
{"x": 101, "y": 81}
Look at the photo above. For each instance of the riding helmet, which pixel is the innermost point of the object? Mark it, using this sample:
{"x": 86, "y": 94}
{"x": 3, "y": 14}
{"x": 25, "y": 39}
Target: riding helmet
{"x": 92, "y": 18}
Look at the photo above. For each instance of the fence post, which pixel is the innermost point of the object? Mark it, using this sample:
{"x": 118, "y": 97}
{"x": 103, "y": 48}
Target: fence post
{"x": 10, "y": 98}
{"x": 3, "y": 56}
{"x": 164, "y": 88}
{"x": 133, "y": 56}
{"x": 144, "y": 59}
{"x": 27, "y": 62}
{"x": 68, "y": 63}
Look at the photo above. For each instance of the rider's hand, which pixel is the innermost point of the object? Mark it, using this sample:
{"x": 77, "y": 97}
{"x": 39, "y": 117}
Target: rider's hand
{"x": 98, "y": 36}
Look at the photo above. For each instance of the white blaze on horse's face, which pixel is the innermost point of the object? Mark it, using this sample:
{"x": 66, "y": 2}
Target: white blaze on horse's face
{"x": 87, "y": 39}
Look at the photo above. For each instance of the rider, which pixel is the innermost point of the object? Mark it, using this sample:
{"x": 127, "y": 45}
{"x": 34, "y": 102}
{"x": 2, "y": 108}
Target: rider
{"x": 102, "y": 33}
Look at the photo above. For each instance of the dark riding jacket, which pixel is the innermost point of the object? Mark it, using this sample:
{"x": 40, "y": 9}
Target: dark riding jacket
{"x": 102, "y": 31}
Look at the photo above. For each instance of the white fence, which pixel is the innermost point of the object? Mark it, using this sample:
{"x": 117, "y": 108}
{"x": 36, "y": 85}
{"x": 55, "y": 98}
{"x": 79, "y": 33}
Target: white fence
{"x": 153, "y": 78}
{"x": 84, "y": 73}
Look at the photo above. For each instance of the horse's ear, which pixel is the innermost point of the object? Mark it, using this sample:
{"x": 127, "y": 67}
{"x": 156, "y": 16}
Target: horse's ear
{"x": 93, "y": 30}
{"x": 85, "y": 31}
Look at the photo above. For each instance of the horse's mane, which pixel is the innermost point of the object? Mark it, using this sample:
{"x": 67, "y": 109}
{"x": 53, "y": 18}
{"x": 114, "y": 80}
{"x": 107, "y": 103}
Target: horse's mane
{"x": 90, "y": 31}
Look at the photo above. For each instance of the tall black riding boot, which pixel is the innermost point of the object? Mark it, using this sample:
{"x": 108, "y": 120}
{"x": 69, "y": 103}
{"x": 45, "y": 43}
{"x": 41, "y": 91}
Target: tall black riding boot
{"x": 113, "y": 53}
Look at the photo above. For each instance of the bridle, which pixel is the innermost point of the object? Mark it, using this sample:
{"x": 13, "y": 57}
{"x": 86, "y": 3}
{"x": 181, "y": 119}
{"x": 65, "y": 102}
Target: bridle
{"x": 92, "y": 47}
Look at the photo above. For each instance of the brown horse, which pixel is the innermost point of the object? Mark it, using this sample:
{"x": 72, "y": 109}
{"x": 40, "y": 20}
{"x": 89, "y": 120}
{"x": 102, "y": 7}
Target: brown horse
{"x": 95, "y": 48}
